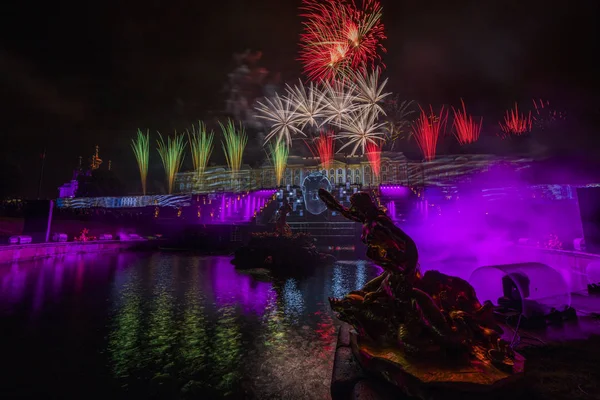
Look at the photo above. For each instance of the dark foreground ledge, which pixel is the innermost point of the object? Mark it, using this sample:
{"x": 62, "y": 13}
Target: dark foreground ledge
{"x": 348, "y": 381}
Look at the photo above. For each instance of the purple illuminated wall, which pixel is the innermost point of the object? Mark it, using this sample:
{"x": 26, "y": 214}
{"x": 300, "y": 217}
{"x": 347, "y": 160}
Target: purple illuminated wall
{"x": 239, "y": 208}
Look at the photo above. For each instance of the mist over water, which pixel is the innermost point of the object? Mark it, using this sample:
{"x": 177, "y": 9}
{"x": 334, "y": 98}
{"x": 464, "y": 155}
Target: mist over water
{"x": 477, "y": 223}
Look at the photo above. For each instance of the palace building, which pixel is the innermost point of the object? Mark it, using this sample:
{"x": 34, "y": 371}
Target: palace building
{"x": 396, "y": 168}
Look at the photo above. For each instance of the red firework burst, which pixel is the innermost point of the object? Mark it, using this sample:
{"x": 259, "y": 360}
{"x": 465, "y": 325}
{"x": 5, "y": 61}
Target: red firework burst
{"x": 373, "y": 153}
{"x": 340, "y": 35}
{"x": 515, "y": 123}
{"x": 427, "y": 129}
{"x": 323, "y": 146}
{"x": 466, "y": 129}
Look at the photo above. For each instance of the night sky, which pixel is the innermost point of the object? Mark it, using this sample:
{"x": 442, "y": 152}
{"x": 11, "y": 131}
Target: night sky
{"x": 76, "y": 74}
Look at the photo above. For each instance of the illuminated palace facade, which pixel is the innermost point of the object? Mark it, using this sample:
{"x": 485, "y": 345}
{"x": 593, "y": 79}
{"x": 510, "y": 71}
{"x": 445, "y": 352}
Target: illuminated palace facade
{"x": 396, "y": 168}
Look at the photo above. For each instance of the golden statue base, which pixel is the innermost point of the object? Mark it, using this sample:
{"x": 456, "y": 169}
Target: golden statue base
{"x": 423, "y": 376}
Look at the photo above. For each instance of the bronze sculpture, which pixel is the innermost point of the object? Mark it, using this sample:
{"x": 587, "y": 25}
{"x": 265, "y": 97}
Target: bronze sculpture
{"x": 406, "y": 319}
{"x": 281, "y": 226}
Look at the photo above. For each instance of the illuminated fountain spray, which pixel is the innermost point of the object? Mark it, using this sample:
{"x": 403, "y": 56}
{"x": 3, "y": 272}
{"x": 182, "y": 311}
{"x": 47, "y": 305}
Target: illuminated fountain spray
{"x": 427, "y": 129}
{"x": 171, "y": 153}
{"x": 241, "y": 208}
{"x": 466, "y": 129}
{"x": 233, "y": 147}
{"x": 373, "y": 154}
{"x": 516, "y": 123}
{"x": 279, "y": 155}
{"x": 391, "y": 207}
{"x": 201, "y": 146}
{"x": 141, "y": 149}
{"x": 323, "y": 146}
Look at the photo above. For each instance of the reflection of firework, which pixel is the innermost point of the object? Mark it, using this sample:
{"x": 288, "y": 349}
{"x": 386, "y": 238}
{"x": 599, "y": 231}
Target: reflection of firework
{"x": 141, "y": 149}
{"x": 515, "y": 123}
{"x": 323, "y": 147}
{"x": 544, "y": 116}
{"x": 201, "y": 146}
{"x": 171, "y": 153}
{"x": 374, "y": 156}
{"x": 234, "y": 145}
{"x": 466, "y": 129}
{"x": 339, "y": 36}
{"x": 279, "y": 155}
{"x": 427, "y": 129}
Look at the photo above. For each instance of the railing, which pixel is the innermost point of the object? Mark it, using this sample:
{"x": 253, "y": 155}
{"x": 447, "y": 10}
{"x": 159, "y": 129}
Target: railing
{"x": 326, "y": 229}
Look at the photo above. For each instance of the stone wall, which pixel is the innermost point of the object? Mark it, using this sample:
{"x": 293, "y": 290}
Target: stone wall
{"x": 27, "y": 252}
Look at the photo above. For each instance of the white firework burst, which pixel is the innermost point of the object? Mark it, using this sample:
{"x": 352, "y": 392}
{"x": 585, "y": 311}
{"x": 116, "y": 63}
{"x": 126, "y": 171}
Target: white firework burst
{"x": 361, "y": 127}
{"x": 309, "y": 103}
{"x": 369, "y": 92}
{"x": 341, "y": 101}
{"x": 282, "y": 117}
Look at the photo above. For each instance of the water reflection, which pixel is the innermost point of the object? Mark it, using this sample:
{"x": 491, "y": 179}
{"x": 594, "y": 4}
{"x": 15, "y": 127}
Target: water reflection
{"x": 293, "y": 300}
{"x": 124, "y": 339}
{"x": 227, "y": 350}
{"x": 233, "y": 288}
{"x": 194, "y": 335}
{"x": 180, "y": 325}
{"x": 13, "y": 285}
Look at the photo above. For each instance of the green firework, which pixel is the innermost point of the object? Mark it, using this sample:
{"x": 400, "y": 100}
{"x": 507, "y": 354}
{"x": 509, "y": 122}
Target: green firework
{"x": 141, "y": 149}
{"x": 172, "y": 154}
{"x": 234, "y": 145}
{"x": 201, "y": 146}
{"x": 279, "y": 155}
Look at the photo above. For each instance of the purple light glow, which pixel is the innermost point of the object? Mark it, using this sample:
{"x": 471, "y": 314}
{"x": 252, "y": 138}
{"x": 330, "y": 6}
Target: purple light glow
{"x": 13, "y": 283}
{"x": 395, "y": 191}
{"x": 234, "y": 207}
{"x": 391, "y": 208}
{"x": 231, "y": 287}
{"x": 463, "y": 229}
